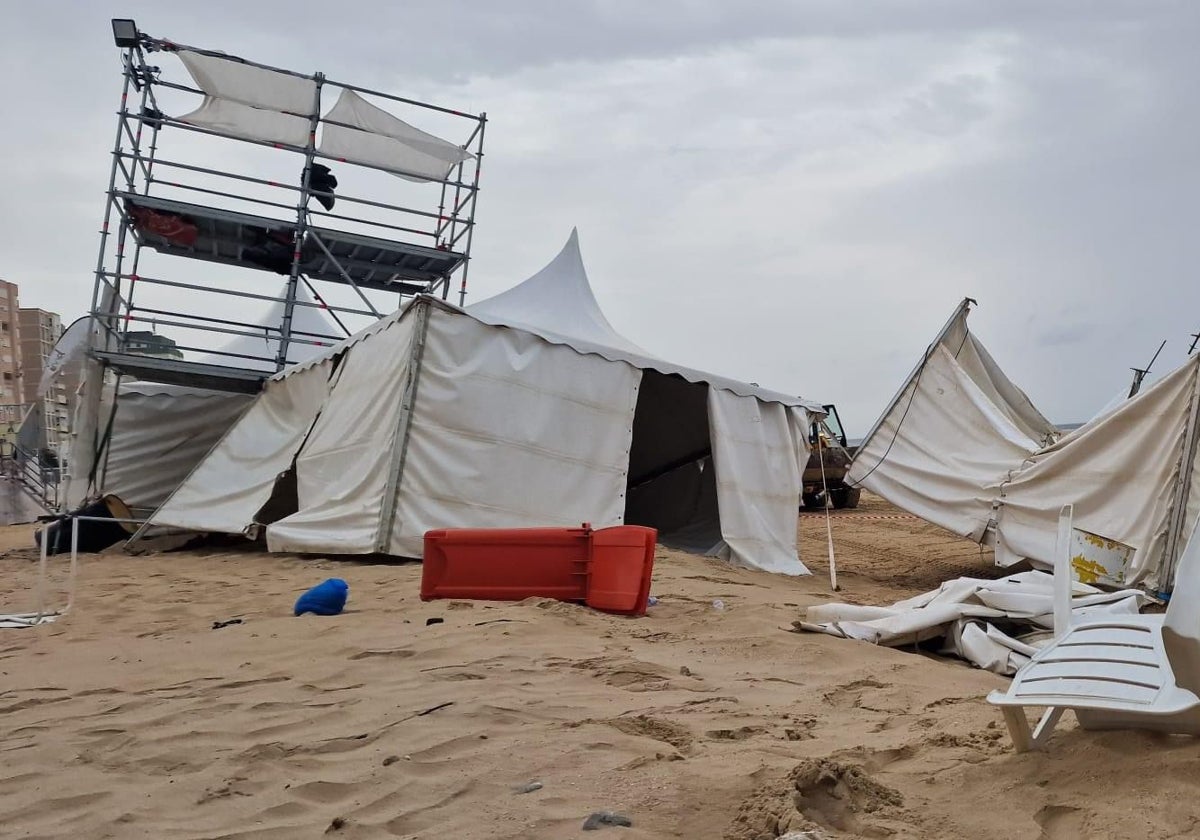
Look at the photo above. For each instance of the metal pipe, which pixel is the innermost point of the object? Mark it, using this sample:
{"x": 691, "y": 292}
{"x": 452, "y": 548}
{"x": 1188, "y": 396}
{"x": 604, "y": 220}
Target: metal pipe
{"x": 137, "y": 151}
{"x": 346, "y": 276}
{"x": 193, "y": 287}
{"x": 298, "y": 337}
{"x": 340, "y": 197}
{"x": 190, "y": 326}
{"x": 393, "y": 98}
{"x": 285, "y": 328}
{"x": 317, "y": 295}
{"x": 163, "y": 45}
{"x": 112, "y": 186}
{"x": 288, "y": 147}
{"x": 40, "y": 592}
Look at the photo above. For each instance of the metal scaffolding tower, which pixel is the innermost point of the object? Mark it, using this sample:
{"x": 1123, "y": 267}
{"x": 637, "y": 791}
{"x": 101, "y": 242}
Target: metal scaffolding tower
{"x": 222, "y": 191}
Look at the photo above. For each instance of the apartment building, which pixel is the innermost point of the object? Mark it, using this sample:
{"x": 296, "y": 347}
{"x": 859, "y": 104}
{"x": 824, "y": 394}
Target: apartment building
{"x": 39, "y": 331}
{"x": 11, "y": 392}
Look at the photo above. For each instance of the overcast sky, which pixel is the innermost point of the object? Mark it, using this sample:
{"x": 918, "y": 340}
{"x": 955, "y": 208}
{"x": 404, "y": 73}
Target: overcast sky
{"x": 792, "y": 193}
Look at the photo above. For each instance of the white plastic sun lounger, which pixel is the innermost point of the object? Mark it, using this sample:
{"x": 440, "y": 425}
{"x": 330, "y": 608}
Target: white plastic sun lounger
{"x": 1114, "y": 671}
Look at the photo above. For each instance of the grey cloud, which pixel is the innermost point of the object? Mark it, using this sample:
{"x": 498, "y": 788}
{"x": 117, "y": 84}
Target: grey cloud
{"x": 791, "y": 193}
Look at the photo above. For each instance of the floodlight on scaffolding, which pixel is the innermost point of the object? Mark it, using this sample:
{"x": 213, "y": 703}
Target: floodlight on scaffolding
{"x": 125, "y": 32}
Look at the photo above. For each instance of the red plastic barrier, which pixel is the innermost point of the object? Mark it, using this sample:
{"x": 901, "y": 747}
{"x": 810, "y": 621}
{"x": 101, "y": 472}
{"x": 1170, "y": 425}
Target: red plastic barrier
{"x": 608, "y": 569}
{"x": 622, "y": 561}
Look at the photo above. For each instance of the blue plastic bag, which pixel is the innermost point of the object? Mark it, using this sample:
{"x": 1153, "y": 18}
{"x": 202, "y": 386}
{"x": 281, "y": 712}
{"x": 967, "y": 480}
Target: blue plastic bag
{"x": 326, "y": 598}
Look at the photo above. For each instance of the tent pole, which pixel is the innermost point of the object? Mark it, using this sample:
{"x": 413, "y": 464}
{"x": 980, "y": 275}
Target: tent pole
{"x": 1183, "y": 485}
{"x": 285, "y": 328}
{"x": 462, "y": 289}
{"x": 387, "y": 520}
{"x": 961, "y": 311}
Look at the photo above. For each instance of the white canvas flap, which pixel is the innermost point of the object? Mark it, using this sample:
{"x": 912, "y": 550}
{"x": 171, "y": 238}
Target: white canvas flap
{"x": 235, "y": 480}
{"x": 228, "y": 78}
{"x": 759, "y": 452}
{"x": 373, "y": 137}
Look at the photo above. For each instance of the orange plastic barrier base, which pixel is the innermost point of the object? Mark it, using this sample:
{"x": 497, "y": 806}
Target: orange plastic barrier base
{"x": 608, "y": 569}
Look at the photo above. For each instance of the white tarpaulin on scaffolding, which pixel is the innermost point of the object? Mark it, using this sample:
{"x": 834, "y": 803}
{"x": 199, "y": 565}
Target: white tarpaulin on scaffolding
{"x": 357, "y": 131}
{"x": 256, "y": 103}
{"x": 499, "y": 416}
{"x": 994, "y": 624}
{"x": 963, "y": 448}
{"x": 242, "y": 100}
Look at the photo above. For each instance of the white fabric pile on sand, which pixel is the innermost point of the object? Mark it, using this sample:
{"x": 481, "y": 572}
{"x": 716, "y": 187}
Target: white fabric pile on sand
{"x": 962, "y": 447}
{"x": 524, "y": 410}
{"x": 993, "y": 624}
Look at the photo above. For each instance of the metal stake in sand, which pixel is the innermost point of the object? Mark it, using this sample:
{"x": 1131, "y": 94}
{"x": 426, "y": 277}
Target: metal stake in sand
{"x": 833, "y": 584}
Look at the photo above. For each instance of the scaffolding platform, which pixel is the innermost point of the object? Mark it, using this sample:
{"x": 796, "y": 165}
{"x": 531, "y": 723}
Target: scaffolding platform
{"x": 227, "y": 237}
{"x": 180, "y": 372}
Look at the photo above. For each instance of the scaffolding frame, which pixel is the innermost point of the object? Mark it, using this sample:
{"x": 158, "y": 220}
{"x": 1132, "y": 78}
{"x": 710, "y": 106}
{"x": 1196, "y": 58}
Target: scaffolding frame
{"x": 405, "y": 250}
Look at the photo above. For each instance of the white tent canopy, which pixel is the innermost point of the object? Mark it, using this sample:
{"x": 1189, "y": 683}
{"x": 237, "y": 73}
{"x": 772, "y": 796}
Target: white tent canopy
{"x": 157, "y": 436}
{"x": 525, "y": 410}
{"x": 312, "y": 332}
{"x": 964, "y": 448}
{"x": 153, "y": 435}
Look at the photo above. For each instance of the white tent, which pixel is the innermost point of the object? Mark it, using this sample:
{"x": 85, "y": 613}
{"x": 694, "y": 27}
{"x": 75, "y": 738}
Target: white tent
{"x": 964, "y": 448}
{"x": 312, "y": 331}
{"x": 527, "y": 409}
{"x": 156, "y": 434}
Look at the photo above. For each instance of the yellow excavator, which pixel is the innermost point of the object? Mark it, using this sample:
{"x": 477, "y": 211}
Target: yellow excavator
{"x": 829, "y": 449}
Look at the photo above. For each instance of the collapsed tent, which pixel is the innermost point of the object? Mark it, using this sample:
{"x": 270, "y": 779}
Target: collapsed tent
{"x": 525, "y": 410}
{"x": 157, "y": 435}
{"x": 997, "y": 625}
{"x": 151, "y": 436}
{"x": 962, "y": 447}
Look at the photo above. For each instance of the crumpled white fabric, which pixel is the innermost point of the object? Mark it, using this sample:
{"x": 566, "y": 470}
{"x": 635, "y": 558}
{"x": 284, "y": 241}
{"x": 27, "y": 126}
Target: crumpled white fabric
{"x": 996, "y": 625}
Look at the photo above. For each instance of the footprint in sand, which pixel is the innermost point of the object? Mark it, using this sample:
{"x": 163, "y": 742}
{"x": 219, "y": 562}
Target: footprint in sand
{"x": 677, "y": 736}
{"x": 740, "y": 734}
{"x": 1061, "y": 822}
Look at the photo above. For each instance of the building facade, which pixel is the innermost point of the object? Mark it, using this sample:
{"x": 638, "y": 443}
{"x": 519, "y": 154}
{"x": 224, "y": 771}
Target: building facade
{"x": 147, "y": 343}
{"x": 12, "y": 396}
{"x": 39, "y": 332}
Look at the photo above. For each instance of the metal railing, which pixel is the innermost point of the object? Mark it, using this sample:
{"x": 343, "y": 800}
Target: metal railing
{"x": 40, "y": 480}
{"x": 125, "y": 298}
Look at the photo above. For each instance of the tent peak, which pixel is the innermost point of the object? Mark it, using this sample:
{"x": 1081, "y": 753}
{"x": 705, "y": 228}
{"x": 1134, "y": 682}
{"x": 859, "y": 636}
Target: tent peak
{"x": 558, "y": 299}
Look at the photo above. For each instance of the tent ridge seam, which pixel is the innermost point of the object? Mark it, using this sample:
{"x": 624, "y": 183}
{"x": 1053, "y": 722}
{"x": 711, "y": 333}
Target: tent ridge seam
{"x": 400, "y": 440}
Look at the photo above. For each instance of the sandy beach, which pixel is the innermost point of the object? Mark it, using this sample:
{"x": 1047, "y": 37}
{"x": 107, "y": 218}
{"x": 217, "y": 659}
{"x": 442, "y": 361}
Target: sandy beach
{"x": 134, "y": 717}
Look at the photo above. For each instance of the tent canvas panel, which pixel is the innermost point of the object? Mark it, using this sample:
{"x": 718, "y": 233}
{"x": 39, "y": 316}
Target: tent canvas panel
{"x": 511, "y": 431}
{"x": 988, "y": 376}
{"x": 159, "y": 434}
{"x": 963, "y": 447}
{"x": 233, "y": 482}
{"x": 759, "y": 453}
{"x": 342, "y": 471}
{"x": 1120, "y": 474}
{"x": 939, "y": 449}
